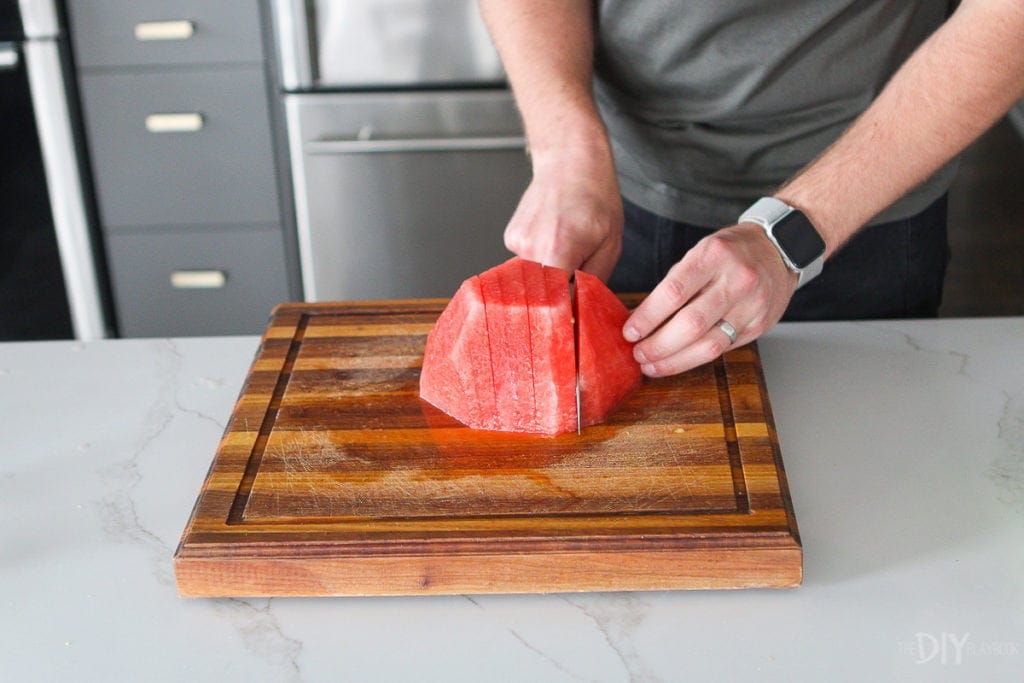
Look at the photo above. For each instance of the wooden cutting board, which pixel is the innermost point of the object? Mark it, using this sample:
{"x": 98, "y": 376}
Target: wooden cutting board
{"x": 334, "y": 478}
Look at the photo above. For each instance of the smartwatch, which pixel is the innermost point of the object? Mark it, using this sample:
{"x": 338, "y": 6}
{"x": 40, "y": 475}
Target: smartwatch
{"x": 799, "y": 244}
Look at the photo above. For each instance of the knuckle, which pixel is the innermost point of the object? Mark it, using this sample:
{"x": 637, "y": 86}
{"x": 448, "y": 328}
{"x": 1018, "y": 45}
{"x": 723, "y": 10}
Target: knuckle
{"x": 715, "y": 247}
{"x": 663, "y": 369}
{"x": 656, "y": 349}
{"x": 746, "y": 279}
{"x": 668, "y": 366}
{"x": 515, "y": 240}
{"x": 760, "y": 300}
{"x": 674, "y": 289}
{"x": 695, "y": 322}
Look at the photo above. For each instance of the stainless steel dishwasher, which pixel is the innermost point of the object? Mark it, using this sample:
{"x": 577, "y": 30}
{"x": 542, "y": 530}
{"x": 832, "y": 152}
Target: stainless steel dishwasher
{"x": 406, "y": 149}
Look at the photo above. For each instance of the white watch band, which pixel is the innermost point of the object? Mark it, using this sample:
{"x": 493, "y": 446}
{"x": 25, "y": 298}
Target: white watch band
{"x": 768, "y": 212}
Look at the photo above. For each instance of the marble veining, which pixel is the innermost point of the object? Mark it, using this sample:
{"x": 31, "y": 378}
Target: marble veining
{"x": 1007, "y": 470}
{"x": 253, "y": 620}
{"x": 538, "y": 651}
{"x": 117, "y": 509}
{"x": 919, "y": 346}
{"x": 262, "y": 635}
{"x": 617, "y": 616}
{"x": 106, "y": 445}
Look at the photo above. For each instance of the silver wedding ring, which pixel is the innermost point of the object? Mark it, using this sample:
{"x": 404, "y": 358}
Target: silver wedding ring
{"x": 729, "y": 331}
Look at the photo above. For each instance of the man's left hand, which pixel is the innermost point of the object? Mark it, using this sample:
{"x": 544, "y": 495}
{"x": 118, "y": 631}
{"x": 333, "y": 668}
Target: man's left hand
{"x": 734, "y": 275}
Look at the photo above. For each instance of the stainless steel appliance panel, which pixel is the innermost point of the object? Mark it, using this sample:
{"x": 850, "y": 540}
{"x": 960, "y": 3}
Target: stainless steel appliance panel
{"x": 340, "y": 44}
{"x": 403, "y": 194}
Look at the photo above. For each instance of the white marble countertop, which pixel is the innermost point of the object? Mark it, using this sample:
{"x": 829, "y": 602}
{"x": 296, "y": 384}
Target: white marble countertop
{"x": 903, "y": 444}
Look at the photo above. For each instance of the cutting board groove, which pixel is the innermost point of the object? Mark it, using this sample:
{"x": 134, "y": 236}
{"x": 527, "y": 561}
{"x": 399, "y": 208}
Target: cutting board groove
{"x": 334, "y": 478}
{"x": 273, "y": 407}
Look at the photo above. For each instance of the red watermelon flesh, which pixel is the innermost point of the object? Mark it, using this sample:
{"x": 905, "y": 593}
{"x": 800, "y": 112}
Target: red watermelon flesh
{"x": 551, "y": 341}
{"x": 456, "y": 375}
{"x": 607, "y": 370}
{"x": 509, "y": 339}
{"x": 504, "y": 354}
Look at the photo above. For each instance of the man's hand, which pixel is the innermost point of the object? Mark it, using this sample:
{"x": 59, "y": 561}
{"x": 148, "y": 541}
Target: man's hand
{"x": 571, "y": 214}
{"x": 954, "y": 87}
{"x": 735, "y": 275}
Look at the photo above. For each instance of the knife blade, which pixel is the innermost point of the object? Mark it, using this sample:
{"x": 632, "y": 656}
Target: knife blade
{"x": 579, "y": 418}
{"x": 576, "y": 350}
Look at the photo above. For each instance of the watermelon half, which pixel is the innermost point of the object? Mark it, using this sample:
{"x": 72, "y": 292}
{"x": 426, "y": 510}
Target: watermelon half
{"x": 505, "y": 353}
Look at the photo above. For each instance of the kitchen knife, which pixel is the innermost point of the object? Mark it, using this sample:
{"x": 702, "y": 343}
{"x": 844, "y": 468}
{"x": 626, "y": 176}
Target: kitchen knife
{"x": 576, "y": 350}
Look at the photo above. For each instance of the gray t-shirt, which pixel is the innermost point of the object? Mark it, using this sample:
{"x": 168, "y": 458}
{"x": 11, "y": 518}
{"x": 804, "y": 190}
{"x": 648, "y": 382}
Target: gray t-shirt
{"x": 714, "y": 103}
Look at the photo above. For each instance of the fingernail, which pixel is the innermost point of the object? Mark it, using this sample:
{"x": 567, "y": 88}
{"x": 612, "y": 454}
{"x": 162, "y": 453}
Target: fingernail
{"x": 639, "y": 355}
{"x": 631, "y": 334}
{"x": 649, "y": 370}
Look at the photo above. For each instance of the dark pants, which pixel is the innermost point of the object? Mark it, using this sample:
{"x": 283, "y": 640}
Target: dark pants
{"x": 891, "y": 270}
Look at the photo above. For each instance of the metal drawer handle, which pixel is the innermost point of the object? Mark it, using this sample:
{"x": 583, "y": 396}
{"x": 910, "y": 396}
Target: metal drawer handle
{"x": 471, "y": 144}
{"x": 164, "y": 30}
{"x": 199, "y": 279}
{"x": 183, "y": 122}
{"x": 8, "y": 57}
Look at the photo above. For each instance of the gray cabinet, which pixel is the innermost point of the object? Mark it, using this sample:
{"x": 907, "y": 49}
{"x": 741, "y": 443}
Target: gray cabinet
{"x": 181, "y": 147}
{"x": 180, "y": 137}
{"x": 196, "y": 282}
{"x": 125, "y": 33}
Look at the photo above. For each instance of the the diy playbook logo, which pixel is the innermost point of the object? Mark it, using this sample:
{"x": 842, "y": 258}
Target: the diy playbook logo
{"x": 954, "y": 648}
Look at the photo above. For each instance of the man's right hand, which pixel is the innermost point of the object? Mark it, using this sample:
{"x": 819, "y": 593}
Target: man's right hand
{"x": 571, "y": 214}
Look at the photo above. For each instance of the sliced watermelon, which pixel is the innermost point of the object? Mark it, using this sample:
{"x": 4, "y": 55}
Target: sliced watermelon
{"x": 607, "y": 370}
{"x": 456, "y": 375}
{"x": 551, "y": 340}
{"x": 495, "y": 323}
{"x": 513, "y": 286}
{"x": 504, "y": 356}
{"x": 509, "y": 341}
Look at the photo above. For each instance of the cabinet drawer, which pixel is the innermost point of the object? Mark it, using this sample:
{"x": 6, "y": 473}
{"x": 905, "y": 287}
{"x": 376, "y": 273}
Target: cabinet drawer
{"x": 181, "y": 148}
{"x": 161, "y": 32}
{"x": 203, "y": 282}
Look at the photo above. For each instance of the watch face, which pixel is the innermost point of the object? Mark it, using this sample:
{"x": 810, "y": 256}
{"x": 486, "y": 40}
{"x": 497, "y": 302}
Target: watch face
{"x": 799, "y": 239}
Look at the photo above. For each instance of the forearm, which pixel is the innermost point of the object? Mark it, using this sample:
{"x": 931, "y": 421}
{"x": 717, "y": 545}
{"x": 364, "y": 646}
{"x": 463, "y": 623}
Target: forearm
{"x": 952, "y": 89}
{"x": 571, "y": 214}
{"x": 547, "y": 48}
